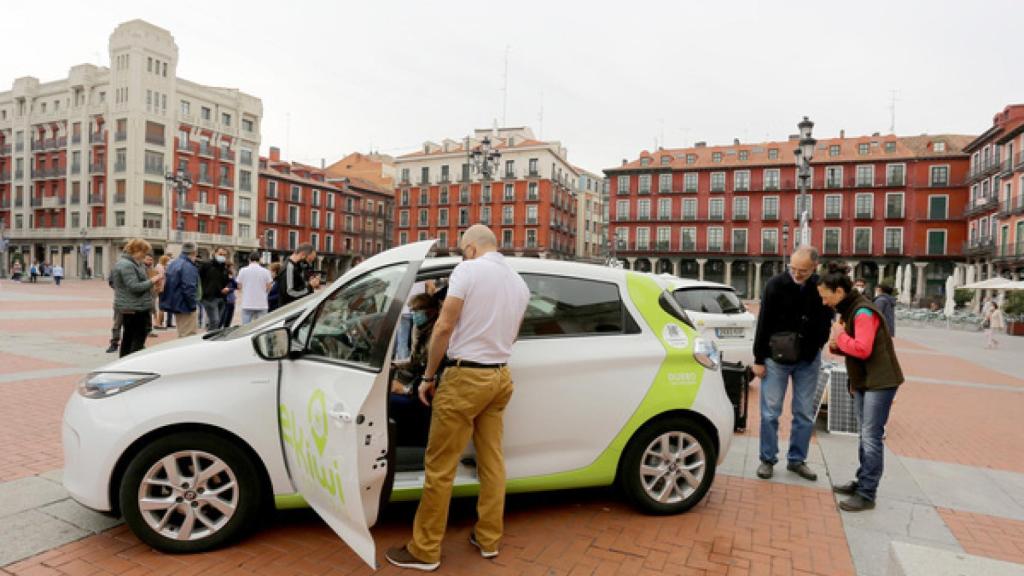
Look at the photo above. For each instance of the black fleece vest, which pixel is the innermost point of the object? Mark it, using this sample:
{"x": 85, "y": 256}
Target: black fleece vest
{"x": 882, "y": 369}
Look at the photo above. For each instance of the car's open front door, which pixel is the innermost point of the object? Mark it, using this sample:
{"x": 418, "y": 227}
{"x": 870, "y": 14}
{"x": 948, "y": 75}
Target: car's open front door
{"x": 333, "y": 395}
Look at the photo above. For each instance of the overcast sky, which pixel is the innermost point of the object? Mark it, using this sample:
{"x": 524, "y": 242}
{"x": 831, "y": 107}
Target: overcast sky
{"x": 608, "y": 78}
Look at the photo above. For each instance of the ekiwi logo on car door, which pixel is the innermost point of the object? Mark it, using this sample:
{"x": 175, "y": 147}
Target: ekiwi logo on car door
{"x": 308, "y": 443}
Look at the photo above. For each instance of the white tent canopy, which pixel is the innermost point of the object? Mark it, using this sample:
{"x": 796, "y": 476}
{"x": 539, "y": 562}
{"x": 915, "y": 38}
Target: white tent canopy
{"x": 996, "y": 284}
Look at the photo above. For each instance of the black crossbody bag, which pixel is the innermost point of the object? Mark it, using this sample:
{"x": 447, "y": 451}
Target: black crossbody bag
{"x": 785, "y": 346}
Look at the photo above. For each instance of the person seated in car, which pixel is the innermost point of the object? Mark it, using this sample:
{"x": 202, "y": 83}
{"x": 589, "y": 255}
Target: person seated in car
{"x": 412, "y": 416}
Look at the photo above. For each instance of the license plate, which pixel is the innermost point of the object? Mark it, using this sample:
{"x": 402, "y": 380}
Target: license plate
{"x": 730, "y": 332}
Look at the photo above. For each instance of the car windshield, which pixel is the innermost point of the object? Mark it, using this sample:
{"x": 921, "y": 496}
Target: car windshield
{"x": 257, "y": 325}
{"x": 709, "y": 300}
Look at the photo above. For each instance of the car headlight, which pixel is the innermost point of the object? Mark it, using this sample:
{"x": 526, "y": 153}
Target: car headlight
{"x": 107, "y": 384}
{"x": 705, "y": 352}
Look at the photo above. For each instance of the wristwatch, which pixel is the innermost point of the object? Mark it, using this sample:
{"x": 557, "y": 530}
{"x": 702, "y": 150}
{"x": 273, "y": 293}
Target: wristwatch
{"x": 430, "y": 379}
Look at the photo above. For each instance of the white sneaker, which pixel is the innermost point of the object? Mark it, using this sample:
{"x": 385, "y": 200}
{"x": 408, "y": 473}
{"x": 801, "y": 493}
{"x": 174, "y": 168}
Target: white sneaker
{"x": 484, "y": 553}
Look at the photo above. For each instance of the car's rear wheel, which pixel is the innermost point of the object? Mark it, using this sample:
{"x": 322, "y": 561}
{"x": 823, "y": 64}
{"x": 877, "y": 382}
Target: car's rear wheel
{"x": 190, "y": 492}
{"x": 668, "y": 466}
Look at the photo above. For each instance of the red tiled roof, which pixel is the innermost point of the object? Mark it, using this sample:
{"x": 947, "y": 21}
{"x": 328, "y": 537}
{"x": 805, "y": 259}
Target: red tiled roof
{"x": 906, "y": 147}
{"x": 272, "y": 171}
{"x": 500, "y": 145}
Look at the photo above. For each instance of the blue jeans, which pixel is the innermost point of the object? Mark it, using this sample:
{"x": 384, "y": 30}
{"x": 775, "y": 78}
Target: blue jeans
{"x": 872, "y": 408}
{"x": 214, "y": 311}
{"x": 250, "y": 315}
{"x": 773, "y": 392}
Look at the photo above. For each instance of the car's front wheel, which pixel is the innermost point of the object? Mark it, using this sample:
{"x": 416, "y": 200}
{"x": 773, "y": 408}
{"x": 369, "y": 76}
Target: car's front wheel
{"x": 190, "y": 492}
{"x": 668, "y": 467}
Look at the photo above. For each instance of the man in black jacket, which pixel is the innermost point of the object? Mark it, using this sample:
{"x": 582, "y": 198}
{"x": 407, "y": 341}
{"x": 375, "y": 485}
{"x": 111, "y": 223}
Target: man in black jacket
{"x": 213, "y": 279}
{"x": 295, "y": 280}
{"x": 791, "y": 311}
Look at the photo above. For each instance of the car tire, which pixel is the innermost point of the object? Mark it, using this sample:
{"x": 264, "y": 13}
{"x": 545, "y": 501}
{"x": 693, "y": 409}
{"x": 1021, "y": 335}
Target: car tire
{"x": 668, "y": 466}
{"x": 171, "y": 509}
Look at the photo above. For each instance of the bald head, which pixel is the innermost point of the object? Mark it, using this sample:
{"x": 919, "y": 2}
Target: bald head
{"x": 806, "y": 251}
{"x": 476, "y": 241}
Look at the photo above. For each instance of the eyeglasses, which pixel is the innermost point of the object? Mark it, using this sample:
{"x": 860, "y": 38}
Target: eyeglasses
{"x": 801, "y": 271}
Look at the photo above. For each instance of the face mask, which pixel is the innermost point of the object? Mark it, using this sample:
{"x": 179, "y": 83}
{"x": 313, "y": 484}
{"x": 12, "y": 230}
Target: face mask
{"x": 221, "y": 259}
{"x": 419, "y": 317}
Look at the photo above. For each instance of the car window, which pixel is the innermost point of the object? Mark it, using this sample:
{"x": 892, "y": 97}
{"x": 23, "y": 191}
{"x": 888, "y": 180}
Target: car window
{"x": 709, "y": 300}
{"x": 562, "y": 306}
{"x": 351, "y": 324}
{"x": 271, "y": 318}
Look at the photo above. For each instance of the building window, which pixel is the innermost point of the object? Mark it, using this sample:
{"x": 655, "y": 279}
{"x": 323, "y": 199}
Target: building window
{"x": 715, "y": 238}
{"x": 664, "y": 209}
{"x": 690, "y": 182}
{"x": 506, "y": 238}
{"x": 938, "y": 207}
{"x": 225, "y": 119}
{"x": 833, "y": 207}
{"x": 865, "y": 175}
{"x": 832, "y": 244}
{"x": 771, "y": 179}
{"x": 622, "y": 210}
{"x": 716, "y": 208}
{"x": 510, "y": 193}
{"x": 895, "y": 175}
{"x": 403, "y": 219}
{"x": 508, "y": 215}
{"x": 862, "y": 149}
{"x": 862, "y": 240}
{"x": 644, "y": 209}
{"x": 739, "y": 240}
{"x": 716, "y": 157}
{"x": 744, "y": 155}
{"x": 442, "y": 217}
{"x": 741, "y": 208}
{"x": 665, "y": 183}
{"x": 643, "y": 238}
{"x": 645, "y": 184}
{"x": 770, "y": 208}
{"x": 688, "y": 239}
{"x": 623, "y": 184}
{"x": 718, "y": 181}
{"x": 534, "y": 170}
{"x": 890, "y": 147}
{"x": 939, "y": 146}
{"x": 689, "y": 209}
{"x": 248, "y": 125}
{"x": 936, "y": 242}
{"x": 691, "y": 158}
{"x": 894, "y": 205}
{"x": 833, "y": 150}
{"x": 833, "y": 177}
{"x": 865, "y": 206}
{"x": 769, "y": 241}
{"x": 894, "y": 240}
{"x": 773, "y": 153}
{"x": 531, "y": 214}
{"x": 463, "y": 216}
{"x": 939, "y": 176}
{"x": 741, "y": 180}
{"x": 807, "y": 204}
{"x": 423, "y": 215}
{"x": 531, "y": 191}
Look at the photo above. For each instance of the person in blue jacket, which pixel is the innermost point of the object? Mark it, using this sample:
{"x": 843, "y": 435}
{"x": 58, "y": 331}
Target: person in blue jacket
{"x": 181, "y": 289}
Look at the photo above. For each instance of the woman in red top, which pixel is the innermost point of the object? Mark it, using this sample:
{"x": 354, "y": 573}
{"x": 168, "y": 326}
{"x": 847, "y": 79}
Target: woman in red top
{"x": 862, "y": 337}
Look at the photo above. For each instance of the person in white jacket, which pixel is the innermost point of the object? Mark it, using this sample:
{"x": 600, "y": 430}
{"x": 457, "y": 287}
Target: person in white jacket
{"x": 995, "y": 323}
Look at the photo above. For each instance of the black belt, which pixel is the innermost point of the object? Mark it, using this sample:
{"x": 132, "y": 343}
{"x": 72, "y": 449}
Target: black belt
{"x": 469, "y": 364}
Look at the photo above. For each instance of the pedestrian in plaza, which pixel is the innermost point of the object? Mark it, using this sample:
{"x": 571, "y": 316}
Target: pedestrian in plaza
{"x": 229, "y": 298}
{"x": 16, "y": 271}
{"x": 792, "y": 328}
{"x": 478, "y": 324}
{"x": 151, "y": 272}
{"x": 274, "y": 296}
{"x": 133, "y": 295}
{"x": 295, "y": 280}
{"x": 886, "y": 304}
{"x": 58, "y": 274}
{"x": 255, "y": 282}
{"x": 115, "y": 328}
{"x": 213, "y": 276}
{"x": 861, "y": 335}
{"x": 33, "y": 273}
{"x": 860, "y": 285}
{"x": 162, "y": 323}
{"x": 181, "y": 290}
{"x": 994, "y": 323}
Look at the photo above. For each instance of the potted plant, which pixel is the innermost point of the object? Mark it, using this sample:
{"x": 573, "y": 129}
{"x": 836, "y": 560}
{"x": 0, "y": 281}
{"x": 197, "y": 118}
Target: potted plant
{"x": 1014, "y": 311}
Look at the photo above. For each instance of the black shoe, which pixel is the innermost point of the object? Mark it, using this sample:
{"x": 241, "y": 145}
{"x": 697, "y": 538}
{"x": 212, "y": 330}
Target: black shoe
{"x": 856, "y": 503}
{"x": 112, "y": 349}
{"x": 401, "y": 557}
{"x": 484, "y": 553}
{"x": 848, "y": 489}
{"x": 802, "y": 470}
{"x": 765, "y": 470}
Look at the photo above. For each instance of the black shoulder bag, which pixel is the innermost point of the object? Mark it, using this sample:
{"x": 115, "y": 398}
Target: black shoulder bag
{"x": 785, "y": 346}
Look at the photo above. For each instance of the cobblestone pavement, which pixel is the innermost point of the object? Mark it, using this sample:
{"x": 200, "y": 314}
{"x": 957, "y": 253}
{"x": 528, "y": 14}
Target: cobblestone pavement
{"x": 954, "y": 479}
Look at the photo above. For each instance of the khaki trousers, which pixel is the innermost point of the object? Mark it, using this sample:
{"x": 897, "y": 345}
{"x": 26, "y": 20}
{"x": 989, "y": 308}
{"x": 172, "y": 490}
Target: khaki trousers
{"x": 188, "y": 325}
{"x": 469, "y": 403}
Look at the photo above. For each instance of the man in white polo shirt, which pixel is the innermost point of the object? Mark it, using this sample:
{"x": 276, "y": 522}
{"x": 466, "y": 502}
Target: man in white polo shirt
{"x": 255, "y": 282}
{"x": 473, "y": 336}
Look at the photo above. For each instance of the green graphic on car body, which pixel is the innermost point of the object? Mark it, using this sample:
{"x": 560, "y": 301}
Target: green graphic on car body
{"x": 319, "y": 474}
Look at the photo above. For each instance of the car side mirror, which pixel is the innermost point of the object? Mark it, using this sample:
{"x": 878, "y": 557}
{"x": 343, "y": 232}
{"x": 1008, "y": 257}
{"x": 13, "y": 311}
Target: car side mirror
{"x": 273, "y": 344}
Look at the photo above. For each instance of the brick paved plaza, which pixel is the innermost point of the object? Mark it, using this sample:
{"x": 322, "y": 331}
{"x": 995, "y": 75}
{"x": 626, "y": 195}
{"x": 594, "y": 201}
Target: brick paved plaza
{"x": 954, "y": 480}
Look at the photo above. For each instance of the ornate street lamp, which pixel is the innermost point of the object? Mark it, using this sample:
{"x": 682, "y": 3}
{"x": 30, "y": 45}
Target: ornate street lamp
{"x": 181, "y": 181}
{"x": 804, "y": 154}
{"x": 484, "y": 158}
{"x": 785, "y": 245}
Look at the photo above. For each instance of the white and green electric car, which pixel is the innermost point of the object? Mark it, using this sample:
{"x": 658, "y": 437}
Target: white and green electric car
{"x": 190, "y": 440}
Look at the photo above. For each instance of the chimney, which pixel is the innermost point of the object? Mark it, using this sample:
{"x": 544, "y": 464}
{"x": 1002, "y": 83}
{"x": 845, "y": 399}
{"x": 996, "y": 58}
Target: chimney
{"x": 735, "y": 141}
{"x": 876, "y": 134}
{"x": 323, "y": 163}
{"x": 794, "y": 137}
{"x": 275, "y": 154}
{"x": 700, "y": 144}
{"x": 624, "y": 161}
{"x": 842, "y": 133}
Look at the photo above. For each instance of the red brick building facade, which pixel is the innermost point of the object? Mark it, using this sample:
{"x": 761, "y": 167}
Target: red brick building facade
{"x": 721, "y": 213}
{"x": 529, "y": 202}
{"x": 346, "y": 220}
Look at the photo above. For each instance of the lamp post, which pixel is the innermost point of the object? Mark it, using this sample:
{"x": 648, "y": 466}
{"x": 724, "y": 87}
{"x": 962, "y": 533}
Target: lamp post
{"x": 483, "y": 158}
{"x": 181, "y": 181}
{"x": 804, "y": 154}
{"x": 785, "y": 244}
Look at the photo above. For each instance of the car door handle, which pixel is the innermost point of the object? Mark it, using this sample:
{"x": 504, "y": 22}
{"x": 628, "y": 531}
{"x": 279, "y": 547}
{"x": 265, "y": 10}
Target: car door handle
{"x": 339, "y": 412}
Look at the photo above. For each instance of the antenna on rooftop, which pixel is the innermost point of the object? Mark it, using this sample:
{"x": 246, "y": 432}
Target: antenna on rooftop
{"x": 504, "y": 91}
{"x": 892, "y": 111}
{"x": 540, "y": 116}
{"x": 288, "y": 130}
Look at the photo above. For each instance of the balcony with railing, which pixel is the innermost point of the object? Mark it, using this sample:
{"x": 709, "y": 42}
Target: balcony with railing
{"x": 120, "y": 136}
{"x": 207, "y": 179}
{"x": 984, "y": 170}
{"x": 223, "y": 210}
{"x": 119, "y": 198}
{"x": 154, "y": 169}
{"x": 95, "y": 199}
{"x": 227, "y": 155}
{"x": 97, "y": 168}
{"x": 979, "y": 247}
{"x": 38, "y": 145}
{"x": 982, "y": 205}
{"x": 863, "y": 214}
{"x": 121, "y": 166}
{"x": 76, "y": 139}
{"x": 206, "y": 150}
{"x": 740, "y": 216}
{"x": 19, "y": 202}
{"x": 833, "y": 215}
{"x": 76, "y": 168}
{"x": 97, "y": 137}
{"x": 5, "y": 150}
{"x": 1010, "y": 252}
{"x": 5, "y": 176}
{"x": 1006, "y": 168}
{"x": 891, "y": 250}
{"x": 5, "y": 203}
{"x": 226, "y": 182}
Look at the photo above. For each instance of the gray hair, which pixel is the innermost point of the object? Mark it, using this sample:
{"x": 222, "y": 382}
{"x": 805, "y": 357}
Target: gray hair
{"x": 807, "y": 250}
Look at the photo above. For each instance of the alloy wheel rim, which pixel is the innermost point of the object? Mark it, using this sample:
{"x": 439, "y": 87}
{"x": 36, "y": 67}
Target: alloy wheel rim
{"x": 188, "y": 495}
{"x": 672, "y": 467}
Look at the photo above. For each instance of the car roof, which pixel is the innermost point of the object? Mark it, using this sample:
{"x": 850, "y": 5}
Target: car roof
{"x": 542, "y": 266}
{"x": 682, "y": 283}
